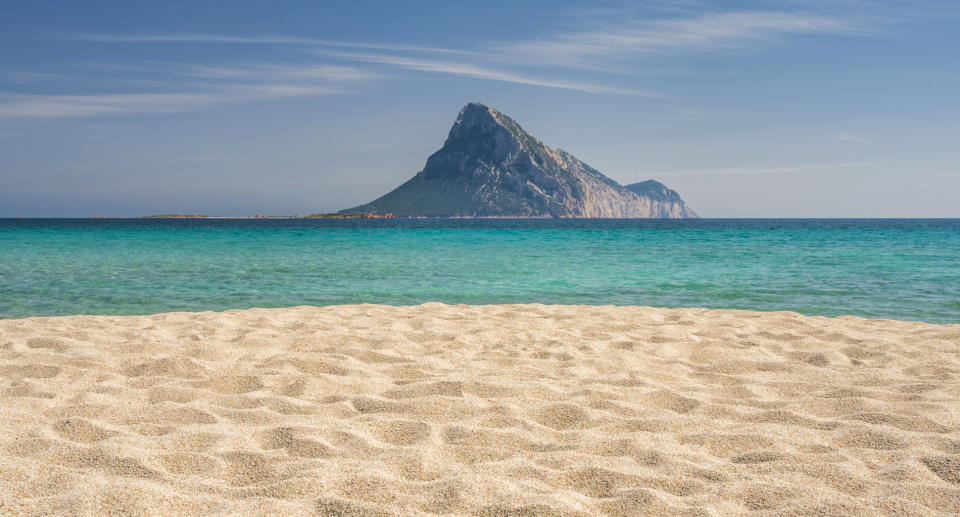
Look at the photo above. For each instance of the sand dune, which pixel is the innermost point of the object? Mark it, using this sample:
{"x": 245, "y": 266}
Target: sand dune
{"x": 494, "y": 411}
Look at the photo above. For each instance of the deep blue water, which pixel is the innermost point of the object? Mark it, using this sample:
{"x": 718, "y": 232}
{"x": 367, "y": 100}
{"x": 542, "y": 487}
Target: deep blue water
{"x": 893, "y": 268}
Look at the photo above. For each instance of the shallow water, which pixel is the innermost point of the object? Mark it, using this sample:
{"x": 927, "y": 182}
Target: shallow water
{"x": 891, "y": 268}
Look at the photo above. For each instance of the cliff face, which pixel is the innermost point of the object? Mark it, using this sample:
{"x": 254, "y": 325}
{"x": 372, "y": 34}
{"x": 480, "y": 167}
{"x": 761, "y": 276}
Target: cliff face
{"x": 666, "y": 203}
{"x": 490, "y": 167}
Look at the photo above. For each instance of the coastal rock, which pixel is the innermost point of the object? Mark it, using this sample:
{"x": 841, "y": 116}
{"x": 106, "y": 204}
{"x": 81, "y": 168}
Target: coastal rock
{"x": 490, "y": 167}
{"x": 665, "y": 201}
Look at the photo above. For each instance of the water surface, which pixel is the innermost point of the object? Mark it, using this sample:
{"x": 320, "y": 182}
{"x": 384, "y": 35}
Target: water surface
{"x": 891, "y": 268}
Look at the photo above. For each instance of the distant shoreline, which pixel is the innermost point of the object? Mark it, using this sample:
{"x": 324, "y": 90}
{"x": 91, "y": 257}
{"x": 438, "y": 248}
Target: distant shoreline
{"x": 312, "y": 216}
{"x": 352, "y": 216}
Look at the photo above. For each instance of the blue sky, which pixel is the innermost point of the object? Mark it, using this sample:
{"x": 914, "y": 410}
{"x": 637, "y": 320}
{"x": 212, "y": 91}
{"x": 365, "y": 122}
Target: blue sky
{"x": 802, "y": 108}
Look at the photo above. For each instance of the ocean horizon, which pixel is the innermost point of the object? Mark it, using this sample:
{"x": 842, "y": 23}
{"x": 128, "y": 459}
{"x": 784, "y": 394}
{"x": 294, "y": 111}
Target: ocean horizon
{"x": 906, "y": 269}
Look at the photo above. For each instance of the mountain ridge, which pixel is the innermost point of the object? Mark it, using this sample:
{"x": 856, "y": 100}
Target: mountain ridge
{"x": 489, "y": 166}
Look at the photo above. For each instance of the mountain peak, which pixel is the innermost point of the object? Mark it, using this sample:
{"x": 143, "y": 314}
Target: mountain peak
{"x": 470, "y": 106}
{"x": 475, "y": 115}
{"x": 490, "y": 167}
{"x": 479, "y": 133}
{"x": 478, "y": 114}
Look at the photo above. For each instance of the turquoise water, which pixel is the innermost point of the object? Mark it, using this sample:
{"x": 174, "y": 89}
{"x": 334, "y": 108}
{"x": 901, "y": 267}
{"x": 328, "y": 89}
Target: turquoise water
{"x": 904, "y": 269}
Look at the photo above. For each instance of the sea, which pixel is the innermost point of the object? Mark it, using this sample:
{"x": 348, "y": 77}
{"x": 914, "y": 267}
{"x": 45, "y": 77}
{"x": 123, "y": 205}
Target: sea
{"x": 905, "y": 269}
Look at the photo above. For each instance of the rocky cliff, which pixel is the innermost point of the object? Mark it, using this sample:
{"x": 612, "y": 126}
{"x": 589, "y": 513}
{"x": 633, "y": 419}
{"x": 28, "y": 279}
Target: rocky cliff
{"x": 666, "y": 203}
{"x": 490, "y": 167}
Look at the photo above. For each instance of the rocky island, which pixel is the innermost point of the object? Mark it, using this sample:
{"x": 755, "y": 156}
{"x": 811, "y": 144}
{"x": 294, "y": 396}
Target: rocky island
{"x": 491, "y": 167}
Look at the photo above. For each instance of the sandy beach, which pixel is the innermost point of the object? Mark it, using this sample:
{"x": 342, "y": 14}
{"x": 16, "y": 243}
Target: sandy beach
{"x": 478, "y": 410}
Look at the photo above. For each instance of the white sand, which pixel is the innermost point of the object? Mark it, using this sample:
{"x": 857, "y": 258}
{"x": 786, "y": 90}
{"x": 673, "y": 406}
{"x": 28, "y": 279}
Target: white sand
{"x": 462, "y": 410}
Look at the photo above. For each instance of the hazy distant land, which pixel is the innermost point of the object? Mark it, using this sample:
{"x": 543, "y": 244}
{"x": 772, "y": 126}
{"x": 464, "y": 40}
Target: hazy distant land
{"x": 312, "y": 216}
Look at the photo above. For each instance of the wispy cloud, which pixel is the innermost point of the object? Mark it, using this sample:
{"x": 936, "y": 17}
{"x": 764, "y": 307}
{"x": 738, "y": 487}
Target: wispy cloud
{"x": 685, "y": 29}
{"x": 738, "y": 171}
{"x": 483, "y": 72}
{"x": 709, "y": 32}
{"x": 221, "y": 85}
{"x": 607, "y": 44}
{"x": 50, "y": 106}
{"x": 203, "y": 158}
{"x": 85, "y": 105}
{"x": 846, "y": 136}
{"x": 26, "y": 76}
{"x": 408, "y": 57}
{"x": 257, "y": 40}
{"x": 264, "y": 72}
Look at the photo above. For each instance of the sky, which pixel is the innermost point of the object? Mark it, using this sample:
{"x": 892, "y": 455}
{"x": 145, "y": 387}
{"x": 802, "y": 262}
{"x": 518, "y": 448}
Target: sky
{"x": 790, "y": 108}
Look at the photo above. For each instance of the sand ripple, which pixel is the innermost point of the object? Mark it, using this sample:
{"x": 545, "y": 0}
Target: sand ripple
{"x": 524, "y": 410}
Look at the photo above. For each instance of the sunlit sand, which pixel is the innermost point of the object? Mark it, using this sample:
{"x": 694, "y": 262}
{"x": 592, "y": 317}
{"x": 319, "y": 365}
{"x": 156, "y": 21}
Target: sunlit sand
{"x": 478, "y": 410}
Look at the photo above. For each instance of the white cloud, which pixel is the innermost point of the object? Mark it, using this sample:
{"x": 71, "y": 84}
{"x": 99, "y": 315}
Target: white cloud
{"x": 483, "y": 72}
{"x": 203, "y": 158}
{"x": 199, "y": 87}
{"x": 263, "y": 72}
{"x": 846, "y": 136}
{"x": 24, "y": 76}
{"x": 622, "y": 38}
{"x": 255, "y": 40}
{"x": 699, "y": 33}
{"x": 86, "y": 105}
{"x": 52, "y": 106}
{"x": 604, "y": 46}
